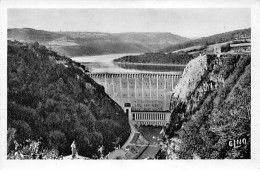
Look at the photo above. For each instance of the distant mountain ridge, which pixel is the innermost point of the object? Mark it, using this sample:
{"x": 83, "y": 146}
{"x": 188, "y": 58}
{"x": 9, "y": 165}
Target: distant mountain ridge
{"x": 97, "y": 43}
{"x": 209, "y": 40}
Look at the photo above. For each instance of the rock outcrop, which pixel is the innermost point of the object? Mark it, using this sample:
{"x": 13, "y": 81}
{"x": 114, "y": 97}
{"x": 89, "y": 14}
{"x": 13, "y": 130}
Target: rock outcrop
{"x": 211, "y": 107}
{"x": 192, "y": 74}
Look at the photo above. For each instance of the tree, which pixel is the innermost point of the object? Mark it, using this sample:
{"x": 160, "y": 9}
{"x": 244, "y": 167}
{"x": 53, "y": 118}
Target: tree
{"x": 10, "y": 139}
{"x": 57, "y": 140}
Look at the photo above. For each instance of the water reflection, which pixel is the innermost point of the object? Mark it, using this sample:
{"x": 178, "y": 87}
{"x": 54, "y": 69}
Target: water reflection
{"x": 110, "y": 67}
{"x": 104, "y": 63}
{"x": 100, "y": 58}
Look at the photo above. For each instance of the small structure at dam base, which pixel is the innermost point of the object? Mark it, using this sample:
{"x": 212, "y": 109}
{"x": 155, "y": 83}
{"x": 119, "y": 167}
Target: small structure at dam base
{"x": 147, "y": 118}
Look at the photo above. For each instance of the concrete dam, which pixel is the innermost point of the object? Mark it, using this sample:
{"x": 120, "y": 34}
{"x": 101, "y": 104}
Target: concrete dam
{"x": 145, "y": 91}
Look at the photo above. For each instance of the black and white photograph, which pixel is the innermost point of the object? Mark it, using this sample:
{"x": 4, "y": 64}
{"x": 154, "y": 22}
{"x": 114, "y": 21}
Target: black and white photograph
{"x": 128, "y": 83}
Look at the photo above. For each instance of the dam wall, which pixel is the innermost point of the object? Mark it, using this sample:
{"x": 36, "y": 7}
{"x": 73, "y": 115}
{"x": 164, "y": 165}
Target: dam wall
{"x": 145, "y": 91}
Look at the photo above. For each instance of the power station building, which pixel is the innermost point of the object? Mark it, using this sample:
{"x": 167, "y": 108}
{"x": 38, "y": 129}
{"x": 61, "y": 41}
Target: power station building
{"x": 152, "y": 118}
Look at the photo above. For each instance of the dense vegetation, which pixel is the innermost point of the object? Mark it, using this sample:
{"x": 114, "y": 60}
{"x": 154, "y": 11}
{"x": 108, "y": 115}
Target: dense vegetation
{"x": 152, "y": 67}
{"x": 96, "y": 43}
{"x": 216, "y": 112}
{"x": 52, "y": 99}
{"x": 161, "y": 58}
{"x": 205, "y": 41}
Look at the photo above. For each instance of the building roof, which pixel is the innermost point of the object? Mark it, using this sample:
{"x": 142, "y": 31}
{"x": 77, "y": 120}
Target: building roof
{"x": 150, "y": 152}
{"x": 117, "y": 154}
{"x": 136, "y": 135}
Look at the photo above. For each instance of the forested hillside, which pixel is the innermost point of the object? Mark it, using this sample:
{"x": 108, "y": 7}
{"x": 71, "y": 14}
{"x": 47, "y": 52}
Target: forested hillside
{"x": 211, "y": 107}
{"x": 205, "y": 41}
{"x": 96, "y": 43}
{"x": 161, "y": 58}
{"x": 51, "y": 98}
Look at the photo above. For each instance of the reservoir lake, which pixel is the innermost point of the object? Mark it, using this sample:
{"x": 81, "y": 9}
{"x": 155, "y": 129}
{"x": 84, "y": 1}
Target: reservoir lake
{"x": 104, "y": 63}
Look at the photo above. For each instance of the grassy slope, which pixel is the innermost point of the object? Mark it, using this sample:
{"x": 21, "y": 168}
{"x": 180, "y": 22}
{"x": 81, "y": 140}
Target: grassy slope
{"x": 205, "y": 41}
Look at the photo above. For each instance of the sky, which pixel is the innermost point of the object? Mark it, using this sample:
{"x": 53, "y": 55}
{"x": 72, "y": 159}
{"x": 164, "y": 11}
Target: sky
{"x": 187, "y": 22}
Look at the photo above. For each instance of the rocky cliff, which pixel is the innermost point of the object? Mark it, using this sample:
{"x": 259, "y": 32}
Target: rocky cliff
{"x": 211, "y": 107}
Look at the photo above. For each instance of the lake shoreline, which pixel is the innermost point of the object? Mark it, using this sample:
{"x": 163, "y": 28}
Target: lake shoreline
{"x": 106, "y": 63}
{"x": 150, "y": 64}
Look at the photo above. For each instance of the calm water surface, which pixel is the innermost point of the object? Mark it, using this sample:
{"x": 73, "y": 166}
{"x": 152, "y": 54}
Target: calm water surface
{"x": 104, "y": 63}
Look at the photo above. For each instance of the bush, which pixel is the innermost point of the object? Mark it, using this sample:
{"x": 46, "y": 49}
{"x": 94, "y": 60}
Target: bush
{"x": 31, "y": 150}
{"x": 57, "y": 139}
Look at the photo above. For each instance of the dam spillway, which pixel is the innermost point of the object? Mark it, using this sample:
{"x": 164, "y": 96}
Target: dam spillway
{"x": 145, "y": 91}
